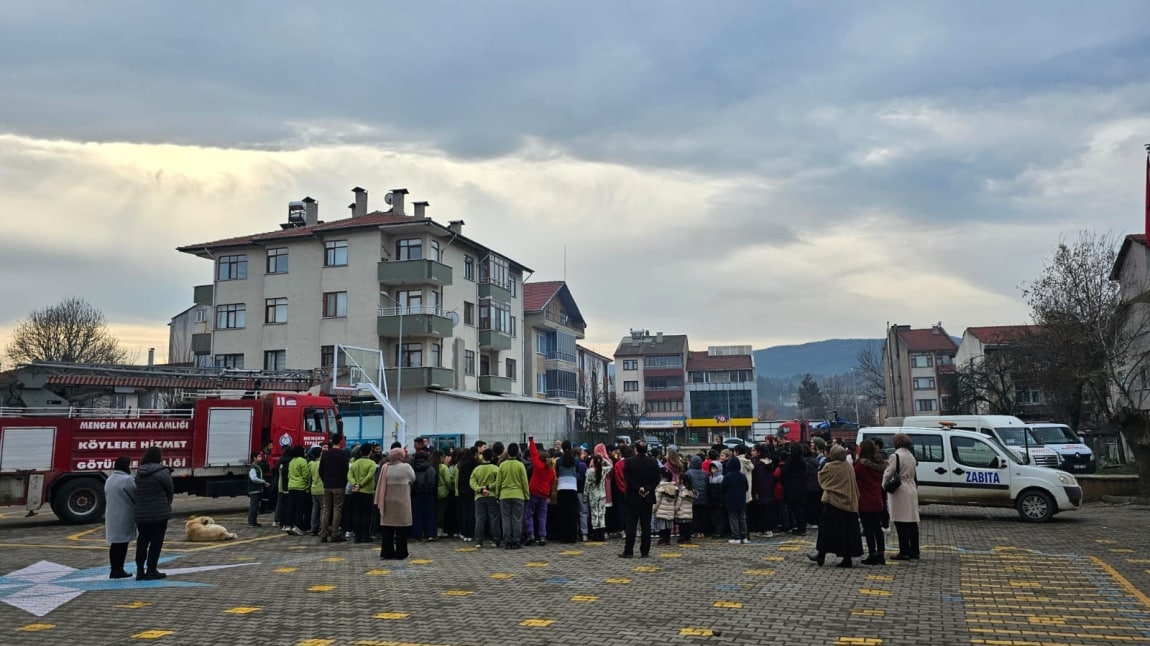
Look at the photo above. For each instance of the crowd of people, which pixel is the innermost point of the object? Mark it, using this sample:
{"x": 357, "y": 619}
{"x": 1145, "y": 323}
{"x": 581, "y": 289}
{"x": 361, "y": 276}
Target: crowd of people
{"x": 514, "y": 495}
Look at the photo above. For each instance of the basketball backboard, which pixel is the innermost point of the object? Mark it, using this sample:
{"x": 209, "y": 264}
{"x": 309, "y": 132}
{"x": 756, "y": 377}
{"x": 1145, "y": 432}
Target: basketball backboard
{"x": 355, "y": 366}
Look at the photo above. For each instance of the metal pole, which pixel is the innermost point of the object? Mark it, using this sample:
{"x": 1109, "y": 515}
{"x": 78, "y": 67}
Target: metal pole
{"x": 855, "y": 387}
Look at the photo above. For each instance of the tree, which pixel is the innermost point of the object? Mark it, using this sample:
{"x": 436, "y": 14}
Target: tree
{"x": 1103, "y": 327}
{"x": 869, "y": 373}
{"x": 990, "y": 380}
{"x": 811, "y": 396}
{"x": 73, "y": 331}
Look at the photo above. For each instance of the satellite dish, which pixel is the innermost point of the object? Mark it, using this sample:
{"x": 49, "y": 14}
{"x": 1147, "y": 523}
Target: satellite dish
{"x": 388, "y": 198}
{"x": 454, "y": 318}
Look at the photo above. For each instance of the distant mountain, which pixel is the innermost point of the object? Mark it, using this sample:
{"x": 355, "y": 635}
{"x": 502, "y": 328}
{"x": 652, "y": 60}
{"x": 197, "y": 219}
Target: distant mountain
{"x": 820, "y": 358}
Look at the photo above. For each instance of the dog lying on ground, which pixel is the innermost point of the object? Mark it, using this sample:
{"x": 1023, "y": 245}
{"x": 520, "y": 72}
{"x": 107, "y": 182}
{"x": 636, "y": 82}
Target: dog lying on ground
{"x": 204, "y": 528}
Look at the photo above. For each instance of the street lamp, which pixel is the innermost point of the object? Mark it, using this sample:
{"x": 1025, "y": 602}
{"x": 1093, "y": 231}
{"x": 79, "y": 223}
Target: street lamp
{"x": 399, "y": 348}
{"x": 855, "y": 387}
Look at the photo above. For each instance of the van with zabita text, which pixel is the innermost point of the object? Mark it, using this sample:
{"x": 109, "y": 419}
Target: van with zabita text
{"x": 961, "y": 467}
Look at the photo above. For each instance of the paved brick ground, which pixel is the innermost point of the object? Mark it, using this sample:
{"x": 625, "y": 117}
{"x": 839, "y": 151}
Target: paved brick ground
{"x": 985, "y": 578}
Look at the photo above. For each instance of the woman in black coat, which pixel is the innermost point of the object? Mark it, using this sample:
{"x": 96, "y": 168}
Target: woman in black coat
{"x": 794, "y": 472}
{"x": 154, "y": 490}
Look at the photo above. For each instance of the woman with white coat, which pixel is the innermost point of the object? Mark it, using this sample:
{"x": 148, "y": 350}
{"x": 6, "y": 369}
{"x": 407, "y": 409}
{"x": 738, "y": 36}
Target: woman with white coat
{"x": 120, "y": 515}
{"x": 904, "y": 499}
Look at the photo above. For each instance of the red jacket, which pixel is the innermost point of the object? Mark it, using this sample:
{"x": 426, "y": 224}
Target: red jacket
{"x": 542, "y": 475}
{"x": 870, "y": 487}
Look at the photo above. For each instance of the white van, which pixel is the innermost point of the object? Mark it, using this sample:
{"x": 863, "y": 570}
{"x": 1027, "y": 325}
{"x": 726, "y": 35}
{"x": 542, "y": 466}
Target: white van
{"x": 959, "y": 467}
{"x": 1010, "y": 431}
{"x": 1074, "y": 456}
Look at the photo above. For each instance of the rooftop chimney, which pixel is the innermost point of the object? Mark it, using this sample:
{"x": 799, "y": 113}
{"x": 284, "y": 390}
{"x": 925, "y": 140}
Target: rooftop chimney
{"x": 659, "y": 337}
{"x": 456, "y": 226}
{"x": 421, "y": 208}
{"x": 310, "y": 211}
{"x": 395, "y": 199}
{"x": 359, "y": 209}
{"x": 151, "y": 356}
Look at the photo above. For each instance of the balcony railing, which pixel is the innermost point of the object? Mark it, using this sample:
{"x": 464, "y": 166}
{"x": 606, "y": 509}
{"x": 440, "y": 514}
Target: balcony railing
{"x": 555, "y": 355}
{"x": 412, "y": 309}
{"x": 555, "y": 393}
{"x": 662, "y": 389}
{"x": 417, "y": 321}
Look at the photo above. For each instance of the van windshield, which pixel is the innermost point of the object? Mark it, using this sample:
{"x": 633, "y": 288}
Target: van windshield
{"x": 1054, "y": 434}
{"x": 1014, "y": 457}
{"x": 1016, "y": 436}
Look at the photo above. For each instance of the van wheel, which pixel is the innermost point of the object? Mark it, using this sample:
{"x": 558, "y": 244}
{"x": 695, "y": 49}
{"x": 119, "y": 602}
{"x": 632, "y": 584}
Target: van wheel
{"x": 1035, "y": 506}
{"x": 80, "y": 501}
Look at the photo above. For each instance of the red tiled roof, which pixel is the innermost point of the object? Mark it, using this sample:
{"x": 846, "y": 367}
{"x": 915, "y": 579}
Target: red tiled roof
{"x": 536, "y": 295}
{"x": 927, "y": 340}
{"x": 373, "y": 219}
{"x": 997, "y": 334}
{"x": 700, "y": 361}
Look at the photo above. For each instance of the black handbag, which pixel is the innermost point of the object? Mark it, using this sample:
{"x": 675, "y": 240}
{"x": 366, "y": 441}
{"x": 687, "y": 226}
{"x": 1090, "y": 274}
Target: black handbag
{"x": 895, "y": 481}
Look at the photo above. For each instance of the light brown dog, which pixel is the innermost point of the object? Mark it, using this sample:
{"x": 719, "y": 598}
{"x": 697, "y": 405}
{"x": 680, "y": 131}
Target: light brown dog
{"x": 204, "y": 528}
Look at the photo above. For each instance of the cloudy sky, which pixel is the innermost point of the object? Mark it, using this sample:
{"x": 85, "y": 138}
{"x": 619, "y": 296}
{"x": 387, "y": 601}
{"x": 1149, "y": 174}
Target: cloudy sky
{"x": 744, "y": 172}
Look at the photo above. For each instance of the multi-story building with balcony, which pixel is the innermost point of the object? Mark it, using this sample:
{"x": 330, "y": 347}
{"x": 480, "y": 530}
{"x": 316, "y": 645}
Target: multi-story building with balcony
{"x": 1008, "y": 394}
{"x": 445, "y": 310}
{"x": 650, "y": 377}
{"x": 553, "y": 328}
{"x": 918, "y": 370}
{"x": 721, "y": 394}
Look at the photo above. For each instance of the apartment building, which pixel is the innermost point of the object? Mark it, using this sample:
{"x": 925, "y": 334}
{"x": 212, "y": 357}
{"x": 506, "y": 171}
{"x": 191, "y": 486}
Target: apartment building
{"x": 977, "y": 344}
{"x": 554, "y": 326}
{"x": 445, "y": 309}
{"x": 918, "y": 370}
{"x": 651, "y": 376}
{"x": 722, "y": 396}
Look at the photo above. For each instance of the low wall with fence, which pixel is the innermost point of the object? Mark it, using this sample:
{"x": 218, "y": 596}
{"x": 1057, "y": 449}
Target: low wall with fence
{"x": 1094, "y": 486}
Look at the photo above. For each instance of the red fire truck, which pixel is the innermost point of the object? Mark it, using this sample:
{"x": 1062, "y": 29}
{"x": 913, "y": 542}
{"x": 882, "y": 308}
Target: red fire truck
{"x": 63, "y": 456}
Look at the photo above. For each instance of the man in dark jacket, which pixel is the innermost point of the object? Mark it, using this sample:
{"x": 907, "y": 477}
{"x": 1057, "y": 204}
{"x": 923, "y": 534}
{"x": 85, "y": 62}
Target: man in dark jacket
{"x": 154, "y": 491}
{"x": 333, "y": 473}
{"x": 641, "y": 473}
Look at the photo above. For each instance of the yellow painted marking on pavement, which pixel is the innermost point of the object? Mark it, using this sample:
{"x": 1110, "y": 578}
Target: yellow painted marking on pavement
{"x": 759, "y": 572}
{"x": 695, "y": 632}
{"x": 863, "y": 641}
{"x": 617, "y": 580}
{"x": 79, "y": 536}
{"x": 392, "y": 615}
{"x": 33, "y": 628}
{"x": 773, "y": 558}
{"x": 133, "y": 605}
{"x": 316, "y": 642}
{"x": 537, "y": 623}
{"x": 587, "y": 598}
{"x": 867, "y": 612}
{"x": 1025, "y": 584}
{"x": 378, "y": 572}
{"x": 321, "y": 588}
{"x": 1122, "y": 581}
{"x": 1121, "y": 550}
{"x": 872, "y": 592}
{"x": 728, "y": 604}
{"x": 152, "y": 634}
{"x": 536, "y": 564}
{"x": 1139, "y": 561}
{"x": 1105, "y": 541}
{"x": 688, "y": 546}
{"x": 502, "y": 575}
{"x": 670, "y": 555}
{"x": 879, "y": 577}
{"x": 419, "y": 561}
{"x": 333, "y": 559}
{"x": 242, "y": 610}
{"x": 458, "y": 593}
{"x": 645, "y": 568}
{"x": 285, "y": 570}
{"x": 466, "y": 549}
{"x": 570, "y": 552}
{"x": 789, "y": 549}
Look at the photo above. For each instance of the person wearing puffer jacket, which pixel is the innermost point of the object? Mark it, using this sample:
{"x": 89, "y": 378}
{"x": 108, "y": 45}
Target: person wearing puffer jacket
{"x": 154, "y": 492}
{"x": 665, "y": 496}
{"x": 735, "y": 488}
{"x": 698, "y": 480}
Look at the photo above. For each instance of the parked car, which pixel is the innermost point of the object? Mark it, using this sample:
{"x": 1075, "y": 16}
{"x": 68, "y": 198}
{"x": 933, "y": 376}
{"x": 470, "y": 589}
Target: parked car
{"x": 732, "y": 442}
{"x": 653, "y": 442}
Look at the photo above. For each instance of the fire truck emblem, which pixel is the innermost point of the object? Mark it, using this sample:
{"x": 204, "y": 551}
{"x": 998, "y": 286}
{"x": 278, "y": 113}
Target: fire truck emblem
{"x": 285, "y": 440}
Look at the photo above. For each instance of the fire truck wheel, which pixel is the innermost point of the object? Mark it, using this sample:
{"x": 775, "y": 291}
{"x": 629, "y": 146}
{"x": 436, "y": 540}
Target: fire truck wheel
{"x": 80, "y": 501}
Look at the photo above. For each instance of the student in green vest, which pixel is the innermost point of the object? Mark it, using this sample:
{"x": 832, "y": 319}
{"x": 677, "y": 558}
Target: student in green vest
{"x": 361, "y": 477}
{"x": 511, "y": 484}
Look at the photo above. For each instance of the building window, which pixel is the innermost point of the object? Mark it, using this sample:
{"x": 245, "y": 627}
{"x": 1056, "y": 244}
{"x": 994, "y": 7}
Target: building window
{"x": 924, "y": 405}
{"x": 495, "y": 316}
{"x": 945, "y": 360}
{"x": 1025, "y": 395}
{"x": 511, "y": 372}
{"x": 494, "y": 270}
{"x": 511, "y": 284}
{"x": 233, "y": 267}
{"x": 233, "y": 361}
{"x": 334, "y": 304}
{"x": 513, "y": 327}
{"x": 630, "y": 386}
{"x": 541, "y": 383}
{"x": 921, "y": 361}
{"x": 275, "y": 360}
{"x": 433, "y": 250}
{"x": 436, "y": 355}
{"x": 277, "y": 261}
{"x": 201, "y": 315}
{"x": 630, "y": 364}
{"x": 469, "y": 362}
{"x": 672, "y": 361}
{"x": 923, "y": 383}
{"x": 335, "y": 253}
{"x": 409, "y": 249}
{"x": 275, "y": 310}
{"x": 469, "y": 268}
{"x": 468, "y": 313}
{"x": 231, "y": 317}
{"x": 412, "y": 355}
{"x": 326, "y": 356}
{"x": 542, "y": 345}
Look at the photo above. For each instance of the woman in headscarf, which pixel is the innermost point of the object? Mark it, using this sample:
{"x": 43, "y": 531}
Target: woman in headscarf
{"x": 119, "y": 515}
{"x": 608, "y": 525}
{"x": 839, "y": 523}
{"x": 393, "y": 498}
